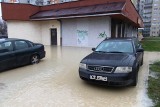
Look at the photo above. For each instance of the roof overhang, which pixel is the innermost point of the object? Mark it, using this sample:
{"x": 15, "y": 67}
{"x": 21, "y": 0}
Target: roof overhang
{"x": 87, "y": 11}
{"x": 122, "y": 10}
{"x": 79, "y": 16}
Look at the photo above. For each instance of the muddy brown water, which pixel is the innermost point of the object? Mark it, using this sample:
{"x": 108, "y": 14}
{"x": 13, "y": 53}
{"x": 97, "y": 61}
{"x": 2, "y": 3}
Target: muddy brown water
{"x": 55, "y": 82}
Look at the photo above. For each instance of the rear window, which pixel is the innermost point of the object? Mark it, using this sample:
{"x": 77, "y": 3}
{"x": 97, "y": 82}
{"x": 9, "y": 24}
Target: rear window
{"x": 19, "y": 45}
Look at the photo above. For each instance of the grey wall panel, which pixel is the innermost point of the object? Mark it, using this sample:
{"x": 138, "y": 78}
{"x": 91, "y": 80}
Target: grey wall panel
{"x": 99, "y": 28}
{"x": 85, "y": 32}
{"x": 68, "y": 32}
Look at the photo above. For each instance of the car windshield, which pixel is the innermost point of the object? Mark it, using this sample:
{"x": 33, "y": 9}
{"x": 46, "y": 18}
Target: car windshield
{"x": 115, "y": 46}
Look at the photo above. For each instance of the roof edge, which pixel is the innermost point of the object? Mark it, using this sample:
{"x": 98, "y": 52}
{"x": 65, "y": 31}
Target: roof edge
{"x": 82, "y": 16}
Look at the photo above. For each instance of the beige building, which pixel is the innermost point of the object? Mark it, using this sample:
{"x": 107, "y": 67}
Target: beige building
{"x": 82, "y": 23}
{"x": 37, "y": 31}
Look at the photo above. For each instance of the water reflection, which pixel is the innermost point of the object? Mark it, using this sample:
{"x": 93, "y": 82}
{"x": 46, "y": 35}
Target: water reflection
{"x": 54, "y": 82}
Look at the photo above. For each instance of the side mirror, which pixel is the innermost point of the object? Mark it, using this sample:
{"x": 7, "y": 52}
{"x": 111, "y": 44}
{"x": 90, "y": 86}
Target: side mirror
{"x": 140, "y": 50}
{"x": 93, "y": 49}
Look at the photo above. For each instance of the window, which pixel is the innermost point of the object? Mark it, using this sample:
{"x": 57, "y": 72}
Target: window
{"x": 155, "y": 8}
{"x": 21, "y": 45}
{"x": 115, "y": 46}
{"x": 30, "y": 44}
{"x": 154, "y": 18}
{"x": 154, "y": 28}
{"x": 6, "y": 47}
{"x": 155, "y": 4}
{"x": 155, "y": 14}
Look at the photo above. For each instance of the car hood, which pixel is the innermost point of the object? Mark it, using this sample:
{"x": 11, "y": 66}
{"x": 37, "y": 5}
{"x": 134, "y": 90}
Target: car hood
{"x": 108, "y": 59}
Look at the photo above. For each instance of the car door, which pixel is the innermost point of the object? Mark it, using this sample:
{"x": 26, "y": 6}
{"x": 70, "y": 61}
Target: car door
{"x": 7, "y": 56}
{"x": 22, "y": 52}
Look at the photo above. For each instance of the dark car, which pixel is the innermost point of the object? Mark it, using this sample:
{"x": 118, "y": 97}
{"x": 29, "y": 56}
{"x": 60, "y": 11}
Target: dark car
{"x": 19, "y": 52}
{"x": 1, "y": 37}
{"x": 114, "y": 62}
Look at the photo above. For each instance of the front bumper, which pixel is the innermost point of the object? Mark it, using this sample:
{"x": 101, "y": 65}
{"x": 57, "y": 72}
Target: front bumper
{"x": 113, "y": 79}
{"x": 42, "y": 54}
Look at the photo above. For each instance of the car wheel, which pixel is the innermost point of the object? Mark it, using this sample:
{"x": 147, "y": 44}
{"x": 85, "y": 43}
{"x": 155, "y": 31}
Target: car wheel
{"x": 142, "y": 62}
{"x": 135, "y": 78}
{"x": 35, "y": 59}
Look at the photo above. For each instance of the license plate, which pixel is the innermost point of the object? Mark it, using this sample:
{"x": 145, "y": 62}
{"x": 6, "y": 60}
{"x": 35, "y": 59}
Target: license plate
{"x": 98, "y": 78}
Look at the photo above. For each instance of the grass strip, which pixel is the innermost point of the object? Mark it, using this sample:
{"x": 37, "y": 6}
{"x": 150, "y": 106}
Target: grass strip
{"x": 154, "y": 84}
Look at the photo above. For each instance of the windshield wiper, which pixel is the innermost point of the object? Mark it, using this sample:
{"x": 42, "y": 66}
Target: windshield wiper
{"x": 101, "y": 51}
{"x": 115, "y": 52}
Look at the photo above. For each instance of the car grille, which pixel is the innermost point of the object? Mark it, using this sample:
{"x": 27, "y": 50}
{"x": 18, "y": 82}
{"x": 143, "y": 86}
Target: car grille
{"x": 95, "y": 68}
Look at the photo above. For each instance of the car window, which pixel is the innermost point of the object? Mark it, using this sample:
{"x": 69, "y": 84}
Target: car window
{"x": 30, "y": 44}
{"x": 6, "y": 47}
{"x": 116, "y": 46}
{"x": 21, "y": 45}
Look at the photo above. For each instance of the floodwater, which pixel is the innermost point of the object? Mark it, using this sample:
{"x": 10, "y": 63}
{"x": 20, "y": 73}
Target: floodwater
{"x": 55, "y": 82}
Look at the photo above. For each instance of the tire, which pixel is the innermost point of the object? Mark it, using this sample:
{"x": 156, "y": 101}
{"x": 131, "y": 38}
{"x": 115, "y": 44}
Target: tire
{"x": 82, "y": 77}
{"x": 34, "y": 59}
{"x": 142, "y": 62}
{"x": 135, "y": 80}
{"x": 135, "y": 77}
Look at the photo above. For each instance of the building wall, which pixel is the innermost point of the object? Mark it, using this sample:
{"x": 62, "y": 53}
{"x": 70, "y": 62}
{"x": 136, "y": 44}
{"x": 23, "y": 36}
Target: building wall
{"x": 130, "y": 31}
{"x": 85, "y": 32}
{"x": 46, "y": 34}
{"x": 155, "y": 19}
{"x": 147, "y": 15}
{"x": 24, "y": 30}
{"x": 36, "y": 31}
{"x": 151, "y": 18}
{"x": 16, "y": 11}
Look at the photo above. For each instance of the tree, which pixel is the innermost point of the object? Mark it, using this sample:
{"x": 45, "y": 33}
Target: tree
{"x": 3, "y": 28}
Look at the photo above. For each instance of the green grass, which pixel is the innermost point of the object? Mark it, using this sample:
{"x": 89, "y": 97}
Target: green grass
{"x": 154, "y": 84}
{"x": 151, "y": 38}
{"x": 155, "y": 67}
{"x": 151, "y": 44}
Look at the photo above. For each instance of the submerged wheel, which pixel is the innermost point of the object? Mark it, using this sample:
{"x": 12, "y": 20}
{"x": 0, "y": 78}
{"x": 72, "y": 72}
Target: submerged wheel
{"x": 142, "y": 62}
{"x": 35, "y": 59}
{"x": 135, "y": 80}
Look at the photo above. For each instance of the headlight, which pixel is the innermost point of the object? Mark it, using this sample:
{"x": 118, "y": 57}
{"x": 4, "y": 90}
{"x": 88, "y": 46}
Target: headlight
{"x": 123, "y": 70}
{"x": 82, "y": 66}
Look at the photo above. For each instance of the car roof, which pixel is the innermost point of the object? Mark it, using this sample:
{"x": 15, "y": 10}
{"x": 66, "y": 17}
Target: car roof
{"x": 10, "y": 39}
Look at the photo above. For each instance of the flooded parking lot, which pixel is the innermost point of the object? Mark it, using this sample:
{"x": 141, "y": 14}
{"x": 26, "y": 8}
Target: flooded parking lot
{"x": 55, "y": 82}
